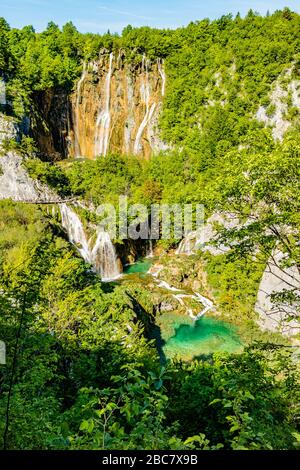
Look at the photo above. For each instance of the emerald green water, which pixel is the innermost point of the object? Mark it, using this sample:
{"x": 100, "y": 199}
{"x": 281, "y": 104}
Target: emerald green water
{"x": 179, "y": 335}
{"x": 208, "y": 335}
{"x": 141, "y": 266}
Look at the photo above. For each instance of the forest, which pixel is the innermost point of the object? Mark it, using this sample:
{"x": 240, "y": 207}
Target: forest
{"x": 83, "y": 369}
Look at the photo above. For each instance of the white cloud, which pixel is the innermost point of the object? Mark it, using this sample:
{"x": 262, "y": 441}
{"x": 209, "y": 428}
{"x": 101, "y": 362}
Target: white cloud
{"x": 125, "y": 13}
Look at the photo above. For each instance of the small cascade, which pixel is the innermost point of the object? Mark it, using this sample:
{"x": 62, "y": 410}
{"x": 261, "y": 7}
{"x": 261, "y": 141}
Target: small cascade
{"x": 161, "y": 70}
{"x": 208, "y": 304}
{"x": 105, "y": 258}
{"x": 73, "y": 226}
{"x": 104, "y": 118}
{"x": 186, "y": 246}
{"x": 145, "y": 95}
{"x": 150, "y": 253}
{"x": 180, "y": 295}
{"x": 77, "y": 112}
{"x": 102, "y": 256}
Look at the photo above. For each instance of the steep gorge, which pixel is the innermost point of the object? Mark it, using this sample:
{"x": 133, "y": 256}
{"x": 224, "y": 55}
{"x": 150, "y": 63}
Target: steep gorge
{"x": 114, "y": 107}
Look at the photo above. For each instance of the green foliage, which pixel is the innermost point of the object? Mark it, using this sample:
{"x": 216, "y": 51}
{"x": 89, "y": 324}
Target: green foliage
{"x": 86, "y": 376}
{"x": 235, "y": 283}
{"x": 25, "y": 147}
{"x": 49, "y": 174}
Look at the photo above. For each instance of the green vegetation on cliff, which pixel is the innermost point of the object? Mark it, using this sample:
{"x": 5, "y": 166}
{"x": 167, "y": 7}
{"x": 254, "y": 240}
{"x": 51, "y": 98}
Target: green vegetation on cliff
{"x": 81, "y": 371}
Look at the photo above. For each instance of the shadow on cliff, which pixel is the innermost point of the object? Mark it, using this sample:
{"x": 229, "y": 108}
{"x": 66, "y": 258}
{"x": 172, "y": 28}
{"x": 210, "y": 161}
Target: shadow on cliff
{"x": 152, "y": 331}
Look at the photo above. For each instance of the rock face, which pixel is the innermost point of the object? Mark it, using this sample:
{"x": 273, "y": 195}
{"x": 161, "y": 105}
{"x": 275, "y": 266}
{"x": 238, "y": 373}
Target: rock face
{"x": 51, "y": 123}
{"x": 278, "y": 119}
{"x": 15, "y": 183}
{"x": 114, "y": 108}
{"x": 8, "y": 129}
{"x": 202, "y": 238}
{"x": 274, "y": 317}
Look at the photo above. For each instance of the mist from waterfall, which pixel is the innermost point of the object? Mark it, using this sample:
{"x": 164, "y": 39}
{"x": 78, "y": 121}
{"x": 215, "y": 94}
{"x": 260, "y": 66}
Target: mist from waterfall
{"x": 103, "y": 119}
{"x": 102, "y": 255}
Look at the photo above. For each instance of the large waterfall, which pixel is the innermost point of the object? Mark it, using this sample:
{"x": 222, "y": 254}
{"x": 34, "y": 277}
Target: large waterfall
{"x": 103, "y": 119}
{"x": 102, "y": 255}
{"x": 77, "y": 112}
{"x": 162, "y": 74}
{"x": 115, "y": 107}
{"x": 145, "y": 96}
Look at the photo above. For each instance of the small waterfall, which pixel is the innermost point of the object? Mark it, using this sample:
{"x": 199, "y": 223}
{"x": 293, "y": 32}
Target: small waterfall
{"x": 102, "y": 256}
{"x": 145, "y": 95}
{"x": 150, "y": 253}
{"x": 103, "y": 119}
{"x": 180, "y": 295}
{"x": 72, "y": 224}
{"x": 186, "y": 246}
{"x": 105, "y": 258}
{"x": 163, "y": 75}
{"x": 77, "y": 112}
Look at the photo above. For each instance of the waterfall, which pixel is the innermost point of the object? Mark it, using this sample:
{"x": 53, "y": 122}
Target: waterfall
{"x": 150, "y": 253}
{"x": 105, "y": 258}
{"x": 145, "y": 95}
{"x": 180, "y": 295}
{"x": 72, "y": 224}
{"x": 102, "y": 256}
{"x": 77, "y": 112}
{"x": 208, "y": 304}
{"x": 103, "y": 119}
{"x": 162, "y": 74}
{"x": 185, "y": 246}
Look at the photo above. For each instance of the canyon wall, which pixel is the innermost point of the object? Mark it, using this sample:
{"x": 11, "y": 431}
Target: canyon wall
{"x": 114, "y": 107}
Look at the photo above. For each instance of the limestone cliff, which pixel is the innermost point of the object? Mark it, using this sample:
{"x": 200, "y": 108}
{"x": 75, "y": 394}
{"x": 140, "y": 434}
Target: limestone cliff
{"x": 114, "y": 107}
{"x": 282, "y": 316}
{"x": 16, "y": 184}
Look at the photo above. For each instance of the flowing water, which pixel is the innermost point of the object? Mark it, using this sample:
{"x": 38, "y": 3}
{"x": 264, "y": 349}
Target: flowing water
{"x": 145, "y": 97}
{"x": 101, "y": 255}
{"x": 77, "y": 111}
{"x": 103, "y": 119}
{"x": 104, "y": 257}
{"x": 162, "y": 74}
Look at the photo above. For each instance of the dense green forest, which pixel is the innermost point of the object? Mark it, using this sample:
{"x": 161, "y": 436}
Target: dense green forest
{"x": 75, "y": 378}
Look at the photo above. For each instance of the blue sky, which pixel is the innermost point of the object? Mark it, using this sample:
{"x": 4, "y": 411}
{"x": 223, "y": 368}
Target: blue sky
{"x": 100, "y": 15}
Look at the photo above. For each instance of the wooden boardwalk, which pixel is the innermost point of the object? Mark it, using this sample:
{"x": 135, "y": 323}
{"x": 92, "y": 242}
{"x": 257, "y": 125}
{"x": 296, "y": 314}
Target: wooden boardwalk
{"x": 44, "y": 201}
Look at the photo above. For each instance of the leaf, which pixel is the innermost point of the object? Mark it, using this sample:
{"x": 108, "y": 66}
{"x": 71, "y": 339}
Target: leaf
{"x": 87, "y": 425}
{"x": 216, "y": 400}
{"x": 158, "y": 384}
{"x": 192, "y": 439}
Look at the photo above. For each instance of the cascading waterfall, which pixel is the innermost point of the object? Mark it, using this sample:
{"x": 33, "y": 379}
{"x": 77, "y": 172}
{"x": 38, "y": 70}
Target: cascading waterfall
{"x": 180, "y": 295}
{"x": 150, "y": 253}
{"x": 103, "y": 119}
{"x": 145, "y": 95}
{"x": 105, "y": 258}
{"x": 185, "y": 246}
{"x": 77, "y": 111}
{"x": 102, "y": 256}
{"x": 162, "y": 74}
{"x": 73, "y": 226}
